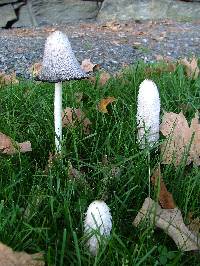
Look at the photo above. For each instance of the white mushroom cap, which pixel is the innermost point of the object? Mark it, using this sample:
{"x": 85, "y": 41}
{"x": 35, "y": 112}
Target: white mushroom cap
{"x": 97, "y": 224}
{"x": 59, "y": 62}
{"x": 148, "y": 113}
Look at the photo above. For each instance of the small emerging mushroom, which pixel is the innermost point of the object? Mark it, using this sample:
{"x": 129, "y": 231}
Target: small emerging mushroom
{"x": 59, "y": 64}
{"x": 98, "y": 224}
{"x": 148, "y": 113}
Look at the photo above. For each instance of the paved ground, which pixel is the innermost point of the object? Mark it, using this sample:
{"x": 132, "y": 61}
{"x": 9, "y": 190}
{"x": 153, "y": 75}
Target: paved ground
{"x": 112, "y": 45}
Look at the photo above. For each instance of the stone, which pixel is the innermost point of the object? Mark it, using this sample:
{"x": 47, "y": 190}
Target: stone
{"x": 7, "y": 13}
{"x": 3, "y": 2}
{"x": 148, "y": 9}
{"x": 63, "y": 11}
{"x": 25, "y": 19}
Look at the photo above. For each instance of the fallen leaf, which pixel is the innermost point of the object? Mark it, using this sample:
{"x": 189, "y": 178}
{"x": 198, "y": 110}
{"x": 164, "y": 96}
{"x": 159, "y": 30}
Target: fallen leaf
{"x": 168, "y": 67}
{"x": 8, "y": 257}
{"x": 191, "y": 67}
{"x": 71, "y": 115}
{"x": 194, "y": 224}
{"x": 180, "y": 138}
{"x": 35, "y": 69}
{"x": 102, "y": 106}
{"x": 165, "y": 198}
{"x": 166, "y": 59}
{"x": 195, "y": 134}
{"x": 73, "y": 172}
{"x": 8, "y": 79}
{"x": 170, "y": 221}
{"x": 140, "y": 33}
{"x": 87, "y": 65}
{"x": 67, "y": 118}
{"x": 83, "y": 119}
{"x": 10, "y": 147}
{"x": 102, "y": 79}
{"x": 112, "y": 25}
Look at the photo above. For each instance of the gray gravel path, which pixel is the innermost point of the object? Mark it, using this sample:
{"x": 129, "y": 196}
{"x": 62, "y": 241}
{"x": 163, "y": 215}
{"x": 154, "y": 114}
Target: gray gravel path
{"x": 111, "y": 45}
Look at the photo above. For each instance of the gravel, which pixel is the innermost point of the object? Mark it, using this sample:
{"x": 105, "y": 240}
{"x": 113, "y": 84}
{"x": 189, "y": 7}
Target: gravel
{"x": 111, "y": 45}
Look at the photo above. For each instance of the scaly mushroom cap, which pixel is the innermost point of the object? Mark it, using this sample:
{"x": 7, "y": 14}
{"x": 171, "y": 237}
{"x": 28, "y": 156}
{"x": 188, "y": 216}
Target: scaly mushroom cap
{"x": 59, "y": 62}
{"x": 148, "y": 113}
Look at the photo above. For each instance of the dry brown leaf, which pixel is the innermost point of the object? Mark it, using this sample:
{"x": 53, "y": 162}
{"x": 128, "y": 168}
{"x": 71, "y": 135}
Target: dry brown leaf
{"x": 139, "y": 33}
{"x": 170, "y": 221}
{"x": 195, "y": 147}
{"x": 102, "y": 106}
{"x": 166, "y": 59}
{"x": 175, "y": 127}
{"x": 71, "y": 115}
{"x": 73, "y": 172}
{"x": 112, "y": 25}
{"x": 35, "y": 69}
{"x": 194, "y": 224}
{"x": 191, "y": 67}
{"x": 165, "y": 198}
{"x": 103, "y": 78}
{"x": 87, "y": 65}
{"x": 67, "y": 118}
{"x": 8, "y": 257}
{"x": 8, "y": 79}
{"x": 169, "y": 67}
{"x": 181, "y": 137}
{"x": 83, "y": 119}
{"x": 10, "y": 147}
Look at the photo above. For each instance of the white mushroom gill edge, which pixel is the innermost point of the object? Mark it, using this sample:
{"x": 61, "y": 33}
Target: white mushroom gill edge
{"x": 58, "y": 116}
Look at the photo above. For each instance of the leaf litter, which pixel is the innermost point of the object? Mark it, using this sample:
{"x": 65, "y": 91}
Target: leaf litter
{"x": 170, "y": 221}
{"x": 181, "y": 139}
{"x": 72, "y": 115}
{"x": 168, "y": 217}
{"x": 191, "y": 67}
{"x": 10, "y": 147}
{"x": 7, "y": 79}
{"x": 102, "y": 106}
{"x": 102, "y": 78}
{"x": 8, "y": 257}
{"x": 165, "y": 198}
{"x": 88, "y": 66}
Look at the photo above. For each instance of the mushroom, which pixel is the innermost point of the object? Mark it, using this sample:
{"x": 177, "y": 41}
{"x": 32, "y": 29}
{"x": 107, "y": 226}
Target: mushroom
{"x": 148, "y": 113}
{"x": 148, "y": 116}
{"x": 59, "y": 64}
{"x": 97, "y": 224}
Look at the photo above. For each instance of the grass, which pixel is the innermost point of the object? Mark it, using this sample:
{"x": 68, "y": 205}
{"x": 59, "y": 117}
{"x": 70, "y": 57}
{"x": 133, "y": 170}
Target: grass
{"x": 44, "y": 210}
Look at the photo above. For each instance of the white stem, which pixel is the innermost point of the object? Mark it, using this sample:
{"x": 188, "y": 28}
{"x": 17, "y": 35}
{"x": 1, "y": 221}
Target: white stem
{"x": 58, "y": 116}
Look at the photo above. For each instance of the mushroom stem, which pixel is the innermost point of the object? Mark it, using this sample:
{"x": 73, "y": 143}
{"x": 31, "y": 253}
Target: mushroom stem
{"x": 58, "y": 116}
